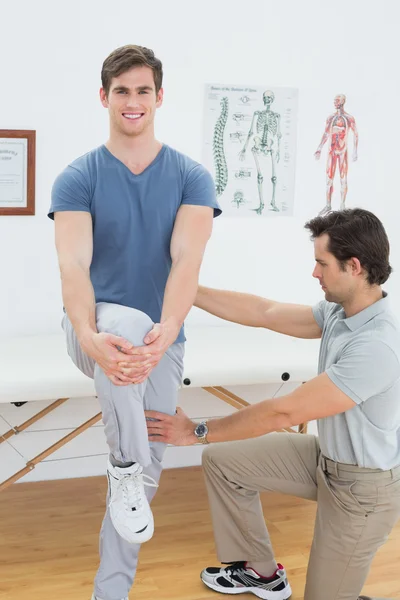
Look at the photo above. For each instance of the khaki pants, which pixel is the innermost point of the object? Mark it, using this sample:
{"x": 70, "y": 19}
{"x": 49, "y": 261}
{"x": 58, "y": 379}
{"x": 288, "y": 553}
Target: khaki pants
{"x": 357, "y": 508}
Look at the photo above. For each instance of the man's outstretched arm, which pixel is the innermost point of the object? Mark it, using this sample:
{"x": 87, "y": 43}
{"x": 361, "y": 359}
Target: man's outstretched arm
{"x": 317, "y": 398}
{"x": 296, "y": 320}
{"x": 364, "y": 370}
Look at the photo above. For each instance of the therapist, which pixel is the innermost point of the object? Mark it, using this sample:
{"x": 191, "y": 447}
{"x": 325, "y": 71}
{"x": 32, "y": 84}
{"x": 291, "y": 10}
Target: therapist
{"x": 352, "y": 469}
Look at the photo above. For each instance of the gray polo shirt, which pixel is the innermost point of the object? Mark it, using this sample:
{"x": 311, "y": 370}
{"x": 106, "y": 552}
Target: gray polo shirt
{"x": 361, "y": 355}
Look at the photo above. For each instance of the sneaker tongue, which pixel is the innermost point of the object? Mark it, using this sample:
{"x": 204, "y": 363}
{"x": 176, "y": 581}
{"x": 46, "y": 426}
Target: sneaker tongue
{"x": 134, "y": 469}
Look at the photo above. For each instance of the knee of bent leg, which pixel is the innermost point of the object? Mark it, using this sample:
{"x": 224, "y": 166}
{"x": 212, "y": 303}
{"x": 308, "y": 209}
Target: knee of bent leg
{"x": 208, "y": 457}
{"x": 214, "y": 461}
{"x": 134, "y": 327}
{"x": 129, "y": 323}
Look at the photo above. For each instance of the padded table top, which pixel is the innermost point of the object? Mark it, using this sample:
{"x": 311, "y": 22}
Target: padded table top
{"x": 239, "y": 355}
{"x": 38, "y": 367}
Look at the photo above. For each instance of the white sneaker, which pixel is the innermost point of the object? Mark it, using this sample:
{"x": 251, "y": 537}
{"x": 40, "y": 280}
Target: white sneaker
{"x": 130, "y": 510}
{"x": 237, "y": 578}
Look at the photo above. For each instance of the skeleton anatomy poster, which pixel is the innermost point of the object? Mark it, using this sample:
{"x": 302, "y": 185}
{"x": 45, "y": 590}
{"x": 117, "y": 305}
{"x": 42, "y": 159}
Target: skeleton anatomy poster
{"x": 250, "y": 148}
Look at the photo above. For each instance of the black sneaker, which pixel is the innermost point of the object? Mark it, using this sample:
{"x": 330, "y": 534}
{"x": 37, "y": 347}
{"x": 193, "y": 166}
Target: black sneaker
{"x": 237, "y": 578}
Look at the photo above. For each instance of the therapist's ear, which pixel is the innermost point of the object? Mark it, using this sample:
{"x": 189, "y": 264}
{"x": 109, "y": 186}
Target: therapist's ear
{"x": 355, "y": 266}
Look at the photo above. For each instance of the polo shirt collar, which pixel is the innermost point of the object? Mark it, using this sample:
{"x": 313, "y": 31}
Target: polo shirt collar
{"x": 359, "y": 319}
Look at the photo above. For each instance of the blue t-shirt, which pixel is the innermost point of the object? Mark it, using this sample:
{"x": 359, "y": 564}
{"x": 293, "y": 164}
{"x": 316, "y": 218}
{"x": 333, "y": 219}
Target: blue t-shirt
{"x": 133, "y": 219}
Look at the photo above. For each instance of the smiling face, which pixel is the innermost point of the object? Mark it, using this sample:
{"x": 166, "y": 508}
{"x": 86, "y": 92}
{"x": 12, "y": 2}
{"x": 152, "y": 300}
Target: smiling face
{"x": 338, "y": 284}
{"x": 132, "y": 102}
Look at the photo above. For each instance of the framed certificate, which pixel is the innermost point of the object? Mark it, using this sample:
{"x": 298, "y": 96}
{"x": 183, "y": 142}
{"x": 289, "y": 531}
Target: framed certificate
{"x": 17, "y": 172}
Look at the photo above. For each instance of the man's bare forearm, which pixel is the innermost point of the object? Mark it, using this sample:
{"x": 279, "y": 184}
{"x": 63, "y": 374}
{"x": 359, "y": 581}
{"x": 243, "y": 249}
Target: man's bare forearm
{"x": 180, "y": 293}
{"x": 79, "y": 301}
{"x": 253, "y": 421}
{"x": 233, "y": 306}
{"x": 316, "y": 399}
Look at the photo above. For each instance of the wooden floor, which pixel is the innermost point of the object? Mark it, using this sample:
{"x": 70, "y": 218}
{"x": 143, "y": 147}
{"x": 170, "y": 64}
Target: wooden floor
{"x": 49, "y": 538}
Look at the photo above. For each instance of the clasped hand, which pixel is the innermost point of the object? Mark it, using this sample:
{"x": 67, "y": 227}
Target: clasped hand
{"x": 124, "y": 363}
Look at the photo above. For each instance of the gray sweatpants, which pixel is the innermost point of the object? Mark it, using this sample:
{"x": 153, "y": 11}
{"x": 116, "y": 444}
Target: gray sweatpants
{"x": 125, "y": 428}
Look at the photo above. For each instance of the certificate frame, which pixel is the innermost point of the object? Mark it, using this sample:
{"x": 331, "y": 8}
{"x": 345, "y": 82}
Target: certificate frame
{"x": 28, "y": 172}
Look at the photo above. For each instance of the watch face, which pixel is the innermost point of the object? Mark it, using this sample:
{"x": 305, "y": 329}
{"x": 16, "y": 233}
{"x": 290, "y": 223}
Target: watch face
{"x": 201, "y": 430}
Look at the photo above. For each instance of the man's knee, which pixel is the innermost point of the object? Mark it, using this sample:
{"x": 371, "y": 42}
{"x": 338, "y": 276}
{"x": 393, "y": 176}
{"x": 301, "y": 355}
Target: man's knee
{"x": 211, "y": 457}
{"x": 219, "y": 463}
{"x": 134, "y": 327}
{"x": 129, "y": 323}
{"x": 206, "y": 457}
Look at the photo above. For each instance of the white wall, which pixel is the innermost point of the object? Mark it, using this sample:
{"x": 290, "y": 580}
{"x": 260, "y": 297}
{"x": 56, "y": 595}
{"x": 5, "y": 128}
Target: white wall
{"x": 51, "y": 56}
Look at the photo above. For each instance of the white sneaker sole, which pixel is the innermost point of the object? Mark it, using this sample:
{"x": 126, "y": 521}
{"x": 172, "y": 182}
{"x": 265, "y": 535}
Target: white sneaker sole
{"x": 265, "y": 594}
{"x": 135, "y": 538}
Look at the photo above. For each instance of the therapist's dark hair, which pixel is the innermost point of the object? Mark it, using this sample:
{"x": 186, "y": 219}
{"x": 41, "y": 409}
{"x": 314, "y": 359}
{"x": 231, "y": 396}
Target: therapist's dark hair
{"x": 356, "y": 233}
{"x": 127, "y": 57}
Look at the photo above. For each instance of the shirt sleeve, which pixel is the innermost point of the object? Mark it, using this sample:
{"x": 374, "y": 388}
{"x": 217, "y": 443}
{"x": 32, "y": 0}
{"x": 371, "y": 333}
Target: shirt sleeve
{"x": 365, "y": 370}
{"x": 70, "y": 192}
{"x": 199, "y": 189}
{"x": 319, "y": 312}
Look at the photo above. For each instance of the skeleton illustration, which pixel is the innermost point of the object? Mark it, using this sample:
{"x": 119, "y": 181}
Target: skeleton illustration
{"x": 221, "y": 168}
{"x": 238, "y": 198}
{"x": 237, "y": 136}
{"x": 337, "y": 128}
{"x": 268, "y": 129}
{"x": 243, "y": 174}
{"x": 238, "y": 117}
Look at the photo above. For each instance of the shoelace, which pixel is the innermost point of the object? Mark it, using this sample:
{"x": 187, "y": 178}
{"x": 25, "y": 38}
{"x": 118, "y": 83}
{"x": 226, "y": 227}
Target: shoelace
{"x": 234, "y": 567}
{"x": 132, "y": 490}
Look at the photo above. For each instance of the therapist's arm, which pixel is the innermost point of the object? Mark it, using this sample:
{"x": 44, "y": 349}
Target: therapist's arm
{"x": 296, "y": 320}
{"x": 364, "y": 370}
{"x": 316, "y": 399}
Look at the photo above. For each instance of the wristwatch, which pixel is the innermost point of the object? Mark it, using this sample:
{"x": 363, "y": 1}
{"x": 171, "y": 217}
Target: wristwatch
{"x": 201, "y": 432}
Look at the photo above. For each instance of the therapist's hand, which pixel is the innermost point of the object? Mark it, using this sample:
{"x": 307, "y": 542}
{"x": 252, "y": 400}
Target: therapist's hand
{"x": 177, "y": 429}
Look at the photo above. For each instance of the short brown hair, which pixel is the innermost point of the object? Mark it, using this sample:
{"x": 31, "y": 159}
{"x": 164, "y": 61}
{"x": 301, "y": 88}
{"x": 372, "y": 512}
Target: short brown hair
{"x": 356, "y": 233}
{"x": 125, "y": 58}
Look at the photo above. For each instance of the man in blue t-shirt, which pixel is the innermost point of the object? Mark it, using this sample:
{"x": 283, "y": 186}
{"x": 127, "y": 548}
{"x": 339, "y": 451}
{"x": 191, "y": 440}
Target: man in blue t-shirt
{"x": 132, "y": 220}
